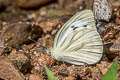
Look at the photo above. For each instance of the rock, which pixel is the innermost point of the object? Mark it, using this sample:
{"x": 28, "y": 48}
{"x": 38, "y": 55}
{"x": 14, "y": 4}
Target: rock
{"x": 115, "y": 3}
{"x": 14, "y": 66}
{"x": 112, "y": 42}
{"x": 103, "y": 67}
{"x": 46, "y": 59}
{"x": 2, "y": 7}
{"x": 110, "y": 51}
{"x": 3, "y": 4}
{"x": 89, "y": 4}
{"x": 35, "y": 77}
{"x": 117, "y": 15}
{"x": 16, "y": 34}
{"x": 1, "y": 46}
{"x": 8, "y": 71}
{"x": 71, "y": 5}
{"x": 96, "y": 74}
{"x": 31, "y": 3}
{"x": 49, "y": 25}
{"x": 70, "y": 78}
{"x": 115, "y": 48}
{"x": 20, "y": 61}
{"x": 58, "y": 13}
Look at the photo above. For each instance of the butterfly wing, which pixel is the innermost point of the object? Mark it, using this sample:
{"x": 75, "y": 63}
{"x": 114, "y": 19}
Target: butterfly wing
{"x": 102, "y": 10}
{"x": 80, "y": 19}
{"x": 78, "y": 41}
{"x": 80, "y": 46}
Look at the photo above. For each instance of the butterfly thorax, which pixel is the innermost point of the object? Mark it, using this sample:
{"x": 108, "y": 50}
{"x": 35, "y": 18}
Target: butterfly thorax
{"x": 57, "y": 54}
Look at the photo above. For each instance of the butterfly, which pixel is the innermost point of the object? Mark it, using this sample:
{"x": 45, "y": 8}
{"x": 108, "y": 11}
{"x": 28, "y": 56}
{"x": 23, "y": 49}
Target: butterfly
{"x": 78, "y": 41}
{"x": 102, "y": 10}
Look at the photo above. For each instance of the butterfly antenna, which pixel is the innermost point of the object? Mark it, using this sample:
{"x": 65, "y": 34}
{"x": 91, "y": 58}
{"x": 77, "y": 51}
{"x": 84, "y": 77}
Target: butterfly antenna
{"x": 46, "y": 50}
{"x": 32, "y": 39}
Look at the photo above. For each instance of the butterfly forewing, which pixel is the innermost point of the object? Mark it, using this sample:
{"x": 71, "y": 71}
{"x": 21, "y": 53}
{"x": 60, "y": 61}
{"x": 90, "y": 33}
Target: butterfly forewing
{"x": 102, "y": 10}
{"x": 76, "y": 21}
{"x": 78, "y": 41}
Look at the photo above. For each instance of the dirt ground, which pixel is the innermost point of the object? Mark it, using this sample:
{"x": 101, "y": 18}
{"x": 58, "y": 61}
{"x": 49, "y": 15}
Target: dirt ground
{"x": 28, "y": 28}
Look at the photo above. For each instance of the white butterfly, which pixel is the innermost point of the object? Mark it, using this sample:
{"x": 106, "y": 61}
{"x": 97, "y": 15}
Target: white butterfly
{"x": 78, "y": 41}
{"x": 102, "y": 10}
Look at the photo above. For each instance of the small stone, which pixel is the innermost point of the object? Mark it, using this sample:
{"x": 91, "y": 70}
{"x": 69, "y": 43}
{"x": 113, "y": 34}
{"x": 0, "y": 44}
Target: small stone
{"x": 17, "y": 34}
{"x": 20, "y": 61}
{"x": 31, "y": 3}
{"x": 45, "y": 59}
{"x": 103, "y": 67}
{"x": 96, "y": 74}
{"x": 48, "y": 25}
{"x": 69, "y": 78}
{"x": 58, "y": 13}
{"x": 3, "y": 4}
{"x": 8, "y": 71}
{"x": 35, "y": 77}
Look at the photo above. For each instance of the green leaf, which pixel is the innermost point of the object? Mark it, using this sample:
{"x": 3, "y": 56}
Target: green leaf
{"x": 50, "y": 74}
{"x": 112, "y": 72}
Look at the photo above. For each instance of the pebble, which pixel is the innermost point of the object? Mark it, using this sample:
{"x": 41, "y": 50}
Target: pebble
{"x": 31, "y": 3}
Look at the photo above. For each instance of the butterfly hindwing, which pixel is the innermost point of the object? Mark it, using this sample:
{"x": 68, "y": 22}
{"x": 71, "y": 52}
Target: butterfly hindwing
{"x": 79, "y": 48}
{"x": 78, "y": 41}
